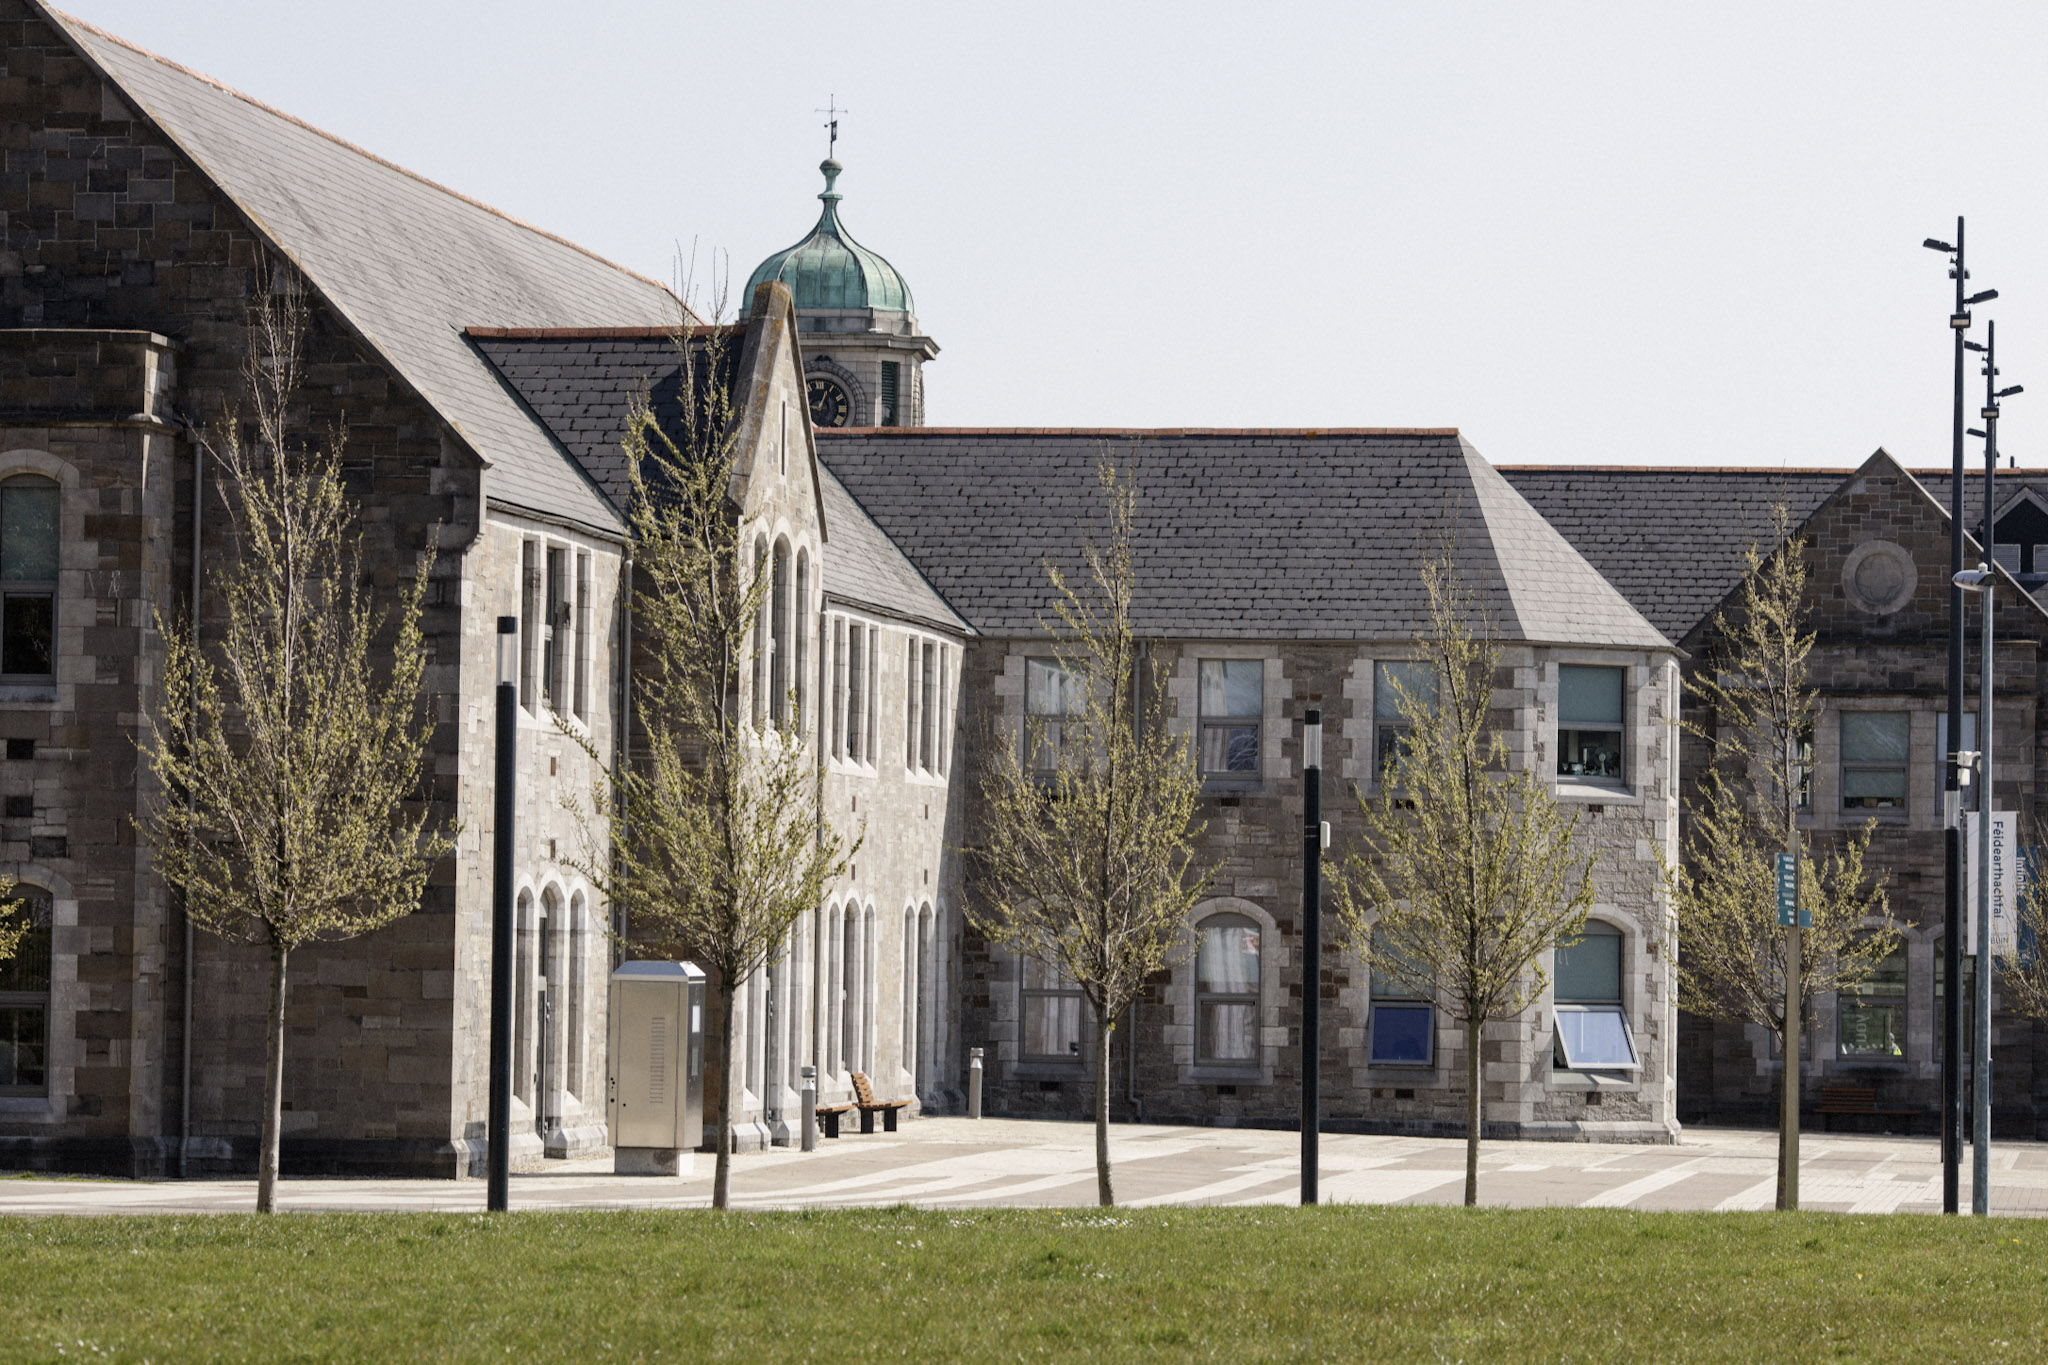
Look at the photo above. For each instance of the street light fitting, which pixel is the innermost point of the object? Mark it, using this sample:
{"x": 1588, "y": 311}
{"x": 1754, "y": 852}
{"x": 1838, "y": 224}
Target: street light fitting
{"x": 1959, "y": 321}
{"x": 1934, "y": 244}
{"x": 1978, "y": 579}
{"x": 2007, "y": 393}
{"x": 1978, "y": 434}
{"x": 1972, "y": 346}
{"x": 1983, "y": 296}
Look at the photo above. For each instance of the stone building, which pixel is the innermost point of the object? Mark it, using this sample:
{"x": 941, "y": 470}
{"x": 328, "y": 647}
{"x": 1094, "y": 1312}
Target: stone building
{"x": 1878, "y": 556}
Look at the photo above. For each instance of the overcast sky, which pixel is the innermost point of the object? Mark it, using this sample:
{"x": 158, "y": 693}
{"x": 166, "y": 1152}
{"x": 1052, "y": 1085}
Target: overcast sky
{"x": 1617, "y": 232}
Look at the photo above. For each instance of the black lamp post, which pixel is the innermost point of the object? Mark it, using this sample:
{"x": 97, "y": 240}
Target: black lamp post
{"x": 500, "y": 1122}
{"x": 1952, "y": 817}
{"x": 1311, "y": 947}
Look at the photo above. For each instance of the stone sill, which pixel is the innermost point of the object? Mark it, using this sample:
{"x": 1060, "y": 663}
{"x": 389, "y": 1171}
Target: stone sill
{"x": 1595, "y": 1080}
{"x": 1594, "y": 794}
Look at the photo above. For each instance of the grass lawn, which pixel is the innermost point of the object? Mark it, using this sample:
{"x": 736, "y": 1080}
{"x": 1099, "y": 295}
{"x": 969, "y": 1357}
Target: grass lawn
{"x": 1347, "y": 1282}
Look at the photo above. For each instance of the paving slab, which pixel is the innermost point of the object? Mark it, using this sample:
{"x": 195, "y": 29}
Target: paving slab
{"x": 963, "y": 1163}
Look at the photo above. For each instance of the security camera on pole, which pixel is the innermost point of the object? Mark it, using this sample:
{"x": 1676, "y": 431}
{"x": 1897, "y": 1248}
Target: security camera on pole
{"x": 1952, "y": 806}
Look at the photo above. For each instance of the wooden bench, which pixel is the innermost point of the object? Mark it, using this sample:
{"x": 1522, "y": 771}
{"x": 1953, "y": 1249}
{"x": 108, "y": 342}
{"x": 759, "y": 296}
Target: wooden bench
{"x": 1855, "y": 1101}
{"x": 828, "y": 1115}
{"x": 865, "y": 1101}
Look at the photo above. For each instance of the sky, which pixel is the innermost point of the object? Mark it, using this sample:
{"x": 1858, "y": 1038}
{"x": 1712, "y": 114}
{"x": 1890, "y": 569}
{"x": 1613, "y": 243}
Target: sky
{"x": 1614, "y": 233}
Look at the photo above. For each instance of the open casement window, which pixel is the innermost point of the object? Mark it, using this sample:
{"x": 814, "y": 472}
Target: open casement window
{"x": 1052, "y": 698}
{"x": 1233, "y": 704}
{"x": 1227, "y": 991}
{"x": 1875, "y": 755}
{"x": 1589, "y": 723}
{"x": 1870, "y": 1018}
{"x": 1052, "y": 1014}
{"x": 1969, "y": 742}
{"x": 25, "y": 1003}
{"x": 1403, "y": 1025}
{"x": 1391, "y": 681}
{"x": 29, "y": 508}
{"x": 1592, "y": 1028}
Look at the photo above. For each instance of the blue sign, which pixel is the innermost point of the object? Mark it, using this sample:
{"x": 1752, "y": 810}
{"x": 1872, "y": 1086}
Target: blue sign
{"x": 1789, "y": 912}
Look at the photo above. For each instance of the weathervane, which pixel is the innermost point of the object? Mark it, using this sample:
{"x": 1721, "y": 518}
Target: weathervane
{"x": 832, "y": 108}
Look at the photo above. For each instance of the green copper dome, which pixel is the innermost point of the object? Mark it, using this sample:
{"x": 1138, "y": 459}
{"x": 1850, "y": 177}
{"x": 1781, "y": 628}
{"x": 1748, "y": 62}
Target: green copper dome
{"x": 828, "y": 269}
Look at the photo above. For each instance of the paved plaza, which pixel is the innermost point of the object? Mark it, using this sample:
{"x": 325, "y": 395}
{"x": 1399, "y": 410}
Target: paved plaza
{"x": 961, "y": 1163}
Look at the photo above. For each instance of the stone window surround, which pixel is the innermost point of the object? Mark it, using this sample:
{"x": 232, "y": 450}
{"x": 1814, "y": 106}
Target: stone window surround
{"x": 1637, "y": 968}
{"x": 75, "y": 574}
{"x": 69, "y": 997}
{"x": 1354, "y": 1039}
{"x": 1184, "y": 708}
{"x": 580, "y": 551}
{"x": 1006, "y": 1026}
{"x": 1275, "y": 957}
{"x": 874, "y": 660}
{"x": 1640, "y": 706}
{"x": 946, "y": 658}
{"x": 1923, "y": 779}
{"x": 764, "y": 532}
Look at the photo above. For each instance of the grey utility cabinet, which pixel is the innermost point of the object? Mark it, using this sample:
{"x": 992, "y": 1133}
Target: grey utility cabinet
{"x": 655, "y": 1098}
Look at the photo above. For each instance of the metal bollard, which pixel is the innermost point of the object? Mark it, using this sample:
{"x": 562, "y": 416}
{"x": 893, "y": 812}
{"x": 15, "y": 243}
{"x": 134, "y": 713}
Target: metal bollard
{"x": 810, "y": 1109}
{"x": 974, "y": 1082}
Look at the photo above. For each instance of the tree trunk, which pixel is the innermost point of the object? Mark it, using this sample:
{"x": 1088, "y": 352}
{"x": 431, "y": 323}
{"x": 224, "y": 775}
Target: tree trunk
{"x": 273, "y": 1086}
{"x": 1784, "y": 1146}
{"x": 1474, "y": 1031}
{"x": 1104, "y": 1194}
{"x": 721, "y": 1168}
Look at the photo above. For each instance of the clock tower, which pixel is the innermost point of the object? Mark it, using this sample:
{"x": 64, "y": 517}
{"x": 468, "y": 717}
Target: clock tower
{"x": 863, "y": 353}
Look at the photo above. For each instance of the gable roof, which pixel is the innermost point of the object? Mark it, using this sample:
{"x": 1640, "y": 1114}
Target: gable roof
{"x": 405, "y": 261}
{"x": 1241, "y": 534}
{"x": 1672, "y": 538}
{"x": 581, "y": 382}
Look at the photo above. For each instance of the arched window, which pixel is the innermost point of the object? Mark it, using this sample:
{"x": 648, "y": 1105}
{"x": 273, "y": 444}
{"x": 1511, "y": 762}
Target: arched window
{"x": 1227, "y": 991}
{"x": 25, "y": 1002}
{"x": 870, "y": 960}
{"x": 849, "y": 990}
{"x": 29, "y": 508}
{"x": 800, "y": 630}
{"x": 830, "y": 988}
{"x": 761, "y": 638}
{"x": 927, "y": 994}
{"x": 1592, "y": 1027}
{"x": 908, "y": 1046}
{"x": 1870, "y": 1017}
{"x": 522, "y": 1012}
{"x": 547, "y": 996}
{"x": 778, "y": 649}
{"x": 579, "y": 967}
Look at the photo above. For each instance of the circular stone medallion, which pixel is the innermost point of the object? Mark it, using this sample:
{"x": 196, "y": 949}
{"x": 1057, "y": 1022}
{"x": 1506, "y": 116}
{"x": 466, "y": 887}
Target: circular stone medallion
{"x": 1879, "y": 577}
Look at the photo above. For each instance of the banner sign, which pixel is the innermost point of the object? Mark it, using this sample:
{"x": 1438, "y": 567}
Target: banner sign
{"x": 2005, "y": 878}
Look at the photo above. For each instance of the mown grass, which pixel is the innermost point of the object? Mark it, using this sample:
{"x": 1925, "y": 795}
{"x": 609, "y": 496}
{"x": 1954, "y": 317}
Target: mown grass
{"x": 1346, "y": 1282}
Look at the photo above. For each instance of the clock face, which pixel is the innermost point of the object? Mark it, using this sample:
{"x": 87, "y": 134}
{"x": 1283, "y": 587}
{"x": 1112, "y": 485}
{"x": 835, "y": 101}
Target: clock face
{"x": 829, "y": 404}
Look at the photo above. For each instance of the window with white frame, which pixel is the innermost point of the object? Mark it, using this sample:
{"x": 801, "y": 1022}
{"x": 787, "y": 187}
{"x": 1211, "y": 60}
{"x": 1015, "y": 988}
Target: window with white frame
{"x": 945, "y": 719}
{"x": 1875, "y": 753}
{"x": 1589, "y": 722}
{"x": 1402, "y": 1029}
{"x": 1051, "y": 1008}
{"x": 1399, "y": 686}
{"x": 779, "y": 656}
{"x": 838, "y": 697}
{"x": 800, "y": 642}
{"x": 761, "y": 645}
{"x": 1870, "y": 1017}
{"x": 1227, "y": 991}
{"x": 25, "y": 1001}
{"x": 1592, "y": 1026}
{"x": 530, "y": 609}
{"x": 928, "y": 706}
{"x": 1232, "y": 703}
{"x": 1052, "y": 699}
{"x": 30, "y": 506}
{"x": 857, "y": 692}
{"x": 912, "y": 701}
{"x": 554, "y": 631}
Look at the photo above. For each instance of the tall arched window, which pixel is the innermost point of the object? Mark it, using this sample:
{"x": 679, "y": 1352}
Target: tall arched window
{"x": 1227, "y": 991}
{"x": 870, "y": 960}
{"x": 547, "y": 995}
{"x": 579, "y": 967}
{"x": 778, "y": 649}
{"x": 761, "y": 638}
{"x": 849, "y": 991}
{"x": 927, "y": 994}
{"x": 29, "y": 508}
{"x": 800, "y": 631}
{"x": 522, "y": 1015}
{"x": 25, "y": 1003}
{"x": 831, "y": 987}
{"x": 910, "y": 965}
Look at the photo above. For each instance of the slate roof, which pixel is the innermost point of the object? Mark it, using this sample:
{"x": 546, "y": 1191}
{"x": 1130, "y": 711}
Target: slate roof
{"x": 407, "y": 262}
{"x": 1242, "y": 534}
{"x": 1672, "y": 538}
{"x": 581, "y": 384}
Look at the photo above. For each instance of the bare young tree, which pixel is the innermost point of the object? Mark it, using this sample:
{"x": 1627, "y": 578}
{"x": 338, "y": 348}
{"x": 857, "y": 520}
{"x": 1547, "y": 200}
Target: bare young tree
{"x": 1087, "y": 862}
{"x": 2023, "y": 977}
{"x": 1470, "y": 871}
{"x": 289, "y": 750}
{"x": 1743, "y": 810}
{"x": 712, "y": 840}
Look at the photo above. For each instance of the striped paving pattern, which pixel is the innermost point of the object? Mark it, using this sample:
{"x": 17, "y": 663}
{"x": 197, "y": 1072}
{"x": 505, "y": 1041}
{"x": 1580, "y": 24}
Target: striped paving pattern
{"x": 955, "y": 1163}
